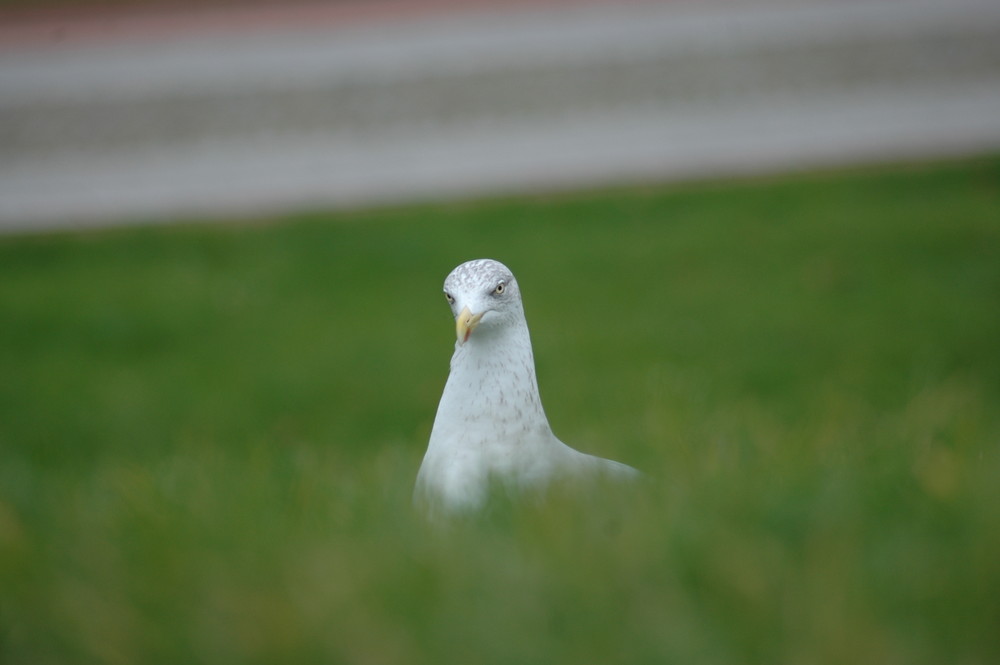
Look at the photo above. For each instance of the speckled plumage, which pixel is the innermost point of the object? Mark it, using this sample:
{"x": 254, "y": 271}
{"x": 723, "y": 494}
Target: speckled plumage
{"x": 490, "y": 425}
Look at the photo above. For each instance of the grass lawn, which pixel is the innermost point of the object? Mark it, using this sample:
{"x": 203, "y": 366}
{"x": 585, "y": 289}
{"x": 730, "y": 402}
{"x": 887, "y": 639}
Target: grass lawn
{"x": 209, "y": 433}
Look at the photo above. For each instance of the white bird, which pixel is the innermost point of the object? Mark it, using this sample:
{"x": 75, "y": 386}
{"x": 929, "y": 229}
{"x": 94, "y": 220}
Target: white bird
{"x": 490, "y": 425}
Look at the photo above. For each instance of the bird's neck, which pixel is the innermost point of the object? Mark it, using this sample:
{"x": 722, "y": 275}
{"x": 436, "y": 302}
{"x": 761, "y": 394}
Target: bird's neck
{"x": 492, "y": 380}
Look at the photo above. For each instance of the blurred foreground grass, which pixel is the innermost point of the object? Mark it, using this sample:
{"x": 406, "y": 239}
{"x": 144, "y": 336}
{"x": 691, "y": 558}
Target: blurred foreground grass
{"x": 208, "y": 434}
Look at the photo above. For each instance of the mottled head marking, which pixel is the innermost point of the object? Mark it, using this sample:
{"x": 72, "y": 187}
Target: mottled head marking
{"x": 479, "y": 275}
{"x": 485, "y": 292}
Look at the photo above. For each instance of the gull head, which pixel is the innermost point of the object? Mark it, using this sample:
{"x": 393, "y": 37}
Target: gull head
{"x": 484, "y": 298}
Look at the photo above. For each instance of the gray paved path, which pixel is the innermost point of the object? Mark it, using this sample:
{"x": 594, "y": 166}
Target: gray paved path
{"x": 486, "y": 101}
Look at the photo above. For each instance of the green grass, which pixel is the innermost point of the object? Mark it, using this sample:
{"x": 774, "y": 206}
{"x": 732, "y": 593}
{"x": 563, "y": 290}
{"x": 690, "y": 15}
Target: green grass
{"x": 209, "y": 433}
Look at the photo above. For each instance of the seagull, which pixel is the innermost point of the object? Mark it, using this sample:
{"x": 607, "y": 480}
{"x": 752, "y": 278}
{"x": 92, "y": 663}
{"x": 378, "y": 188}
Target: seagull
{"x": 490, "y": 426}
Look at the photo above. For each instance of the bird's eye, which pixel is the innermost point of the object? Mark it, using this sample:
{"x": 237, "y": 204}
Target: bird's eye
{"x": 501, "y": 287}
{"x": 450, "y": 298}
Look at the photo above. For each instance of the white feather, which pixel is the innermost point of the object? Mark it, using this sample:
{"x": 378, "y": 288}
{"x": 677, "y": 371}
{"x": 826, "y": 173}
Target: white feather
{"x": 490, "y": 425}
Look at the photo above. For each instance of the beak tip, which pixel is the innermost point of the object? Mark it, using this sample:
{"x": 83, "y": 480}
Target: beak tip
{"x": 465, "y": 323}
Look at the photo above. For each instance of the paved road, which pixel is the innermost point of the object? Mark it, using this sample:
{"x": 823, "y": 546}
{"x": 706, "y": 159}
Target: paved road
{"x": 525, "y": 97}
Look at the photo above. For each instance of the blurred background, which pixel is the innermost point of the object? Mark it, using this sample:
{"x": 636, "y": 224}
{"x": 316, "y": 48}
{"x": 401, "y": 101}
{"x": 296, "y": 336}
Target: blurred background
{"x": 137, "y": 110}
{"x": 759, "y": 247}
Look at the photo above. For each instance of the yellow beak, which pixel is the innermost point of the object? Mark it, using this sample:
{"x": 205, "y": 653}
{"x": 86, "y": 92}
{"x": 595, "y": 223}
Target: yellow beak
{"x": 466, "y": 323}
